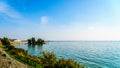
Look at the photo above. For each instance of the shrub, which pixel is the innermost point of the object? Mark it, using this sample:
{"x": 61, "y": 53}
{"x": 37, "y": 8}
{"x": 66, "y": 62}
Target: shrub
{"x": 23, "y": 56}
{"x": 48, "y": 59}
{"x": 5, "y": 41}
{"x": 10, "y": 47}
{"x": 67, "y": 63}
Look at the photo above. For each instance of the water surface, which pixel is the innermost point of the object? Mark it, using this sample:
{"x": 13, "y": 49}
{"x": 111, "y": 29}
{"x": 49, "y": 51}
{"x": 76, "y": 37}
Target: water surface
{"x": 99, "y": 54}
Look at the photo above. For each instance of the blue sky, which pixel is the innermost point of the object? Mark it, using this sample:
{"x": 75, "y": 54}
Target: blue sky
{"x": 60, "y": 19}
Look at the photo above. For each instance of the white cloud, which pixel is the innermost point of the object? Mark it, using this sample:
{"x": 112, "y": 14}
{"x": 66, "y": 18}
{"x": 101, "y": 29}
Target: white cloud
{"x": 9, "y": 11}
{"x": 44, "y": 19}
{"x": 91, "y": 28}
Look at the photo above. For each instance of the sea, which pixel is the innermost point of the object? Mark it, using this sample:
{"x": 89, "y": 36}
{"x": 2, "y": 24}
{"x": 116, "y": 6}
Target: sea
{"x": 93, "y": 54}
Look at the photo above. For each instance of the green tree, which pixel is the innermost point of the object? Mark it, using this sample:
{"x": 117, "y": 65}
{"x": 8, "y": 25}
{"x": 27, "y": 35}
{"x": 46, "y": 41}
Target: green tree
{"x": 29, "y": 41}
{"x": 33, "y": 41}
{"x": 40, "y": 41}
{"x": 5, "y": 41}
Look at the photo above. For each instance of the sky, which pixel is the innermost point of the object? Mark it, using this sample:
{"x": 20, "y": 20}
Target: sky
{"x": 60, "y": 19}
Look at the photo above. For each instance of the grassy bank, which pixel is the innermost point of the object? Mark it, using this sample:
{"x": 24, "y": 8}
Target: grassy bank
{"x": 6, "y": 61}
{"x": 47, "y": 60}
{"x": 22, "y": 56}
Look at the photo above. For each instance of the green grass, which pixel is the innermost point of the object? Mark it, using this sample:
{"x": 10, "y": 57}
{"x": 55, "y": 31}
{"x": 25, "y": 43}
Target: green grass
{"x": 22, "y": 56}
{"x": 47, "y": 60}
{"x": 0, "y": 52}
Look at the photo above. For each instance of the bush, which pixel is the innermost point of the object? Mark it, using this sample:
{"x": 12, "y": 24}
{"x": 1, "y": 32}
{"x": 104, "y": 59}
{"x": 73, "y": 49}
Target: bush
{"x": 10, "y": 47}
{"x": 48, "y": 59}
{"x": 67, "y": 63}
{"x": 23, "y": 56}
{"x": 5, "y": 41}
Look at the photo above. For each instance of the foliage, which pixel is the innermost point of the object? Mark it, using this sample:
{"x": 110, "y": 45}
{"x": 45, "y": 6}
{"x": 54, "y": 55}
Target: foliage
{"x": 5, "y": 41}
{"x": 10, "y": 47}
{"x": 48, "y": 59}
{"x": 0, "y": 52}
{"x": 32, "y": 41}
{"x": 0, "y": 44}
{"x": 40, "y": 41}
{"x": 67, "y": 63}
{"x": 29, "y": 41}
{"x": 24, "y": 57}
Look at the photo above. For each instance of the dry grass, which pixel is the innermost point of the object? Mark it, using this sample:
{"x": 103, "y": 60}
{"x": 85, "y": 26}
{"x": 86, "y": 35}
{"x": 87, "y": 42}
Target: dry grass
{"x": 0, "y": 44}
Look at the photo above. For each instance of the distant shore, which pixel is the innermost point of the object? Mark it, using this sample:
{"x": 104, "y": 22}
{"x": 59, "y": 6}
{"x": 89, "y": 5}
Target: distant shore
{"x": 17, "y": 43}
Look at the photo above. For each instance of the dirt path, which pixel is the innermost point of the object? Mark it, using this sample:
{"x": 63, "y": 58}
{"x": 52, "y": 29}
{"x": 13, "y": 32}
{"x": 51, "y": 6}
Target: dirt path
{"x": 7, "y": 62}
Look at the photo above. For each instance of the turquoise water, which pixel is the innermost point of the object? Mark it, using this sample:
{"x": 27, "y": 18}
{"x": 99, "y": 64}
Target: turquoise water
{"x": 99, "y": 54}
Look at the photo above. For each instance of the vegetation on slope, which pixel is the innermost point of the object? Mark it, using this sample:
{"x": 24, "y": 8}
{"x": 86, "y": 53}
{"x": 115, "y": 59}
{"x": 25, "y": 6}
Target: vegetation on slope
{"x": 7, "y": 62}
{"x": 47, "y": 60}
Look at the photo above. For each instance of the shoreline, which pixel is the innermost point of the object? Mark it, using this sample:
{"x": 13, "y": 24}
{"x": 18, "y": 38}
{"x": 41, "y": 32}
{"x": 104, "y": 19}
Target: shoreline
{"x": 17, "y": 43}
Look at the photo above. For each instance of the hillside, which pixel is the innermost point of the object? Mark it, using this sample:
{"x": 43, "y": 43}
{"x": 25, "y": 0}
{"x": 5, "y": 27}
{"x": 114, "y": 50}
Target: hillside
{"x": 7, "y": 62}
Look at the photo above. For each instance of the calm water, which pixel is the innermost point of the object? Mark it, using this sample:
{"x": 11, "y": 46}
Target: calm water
{"x": 92, "y": 54}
